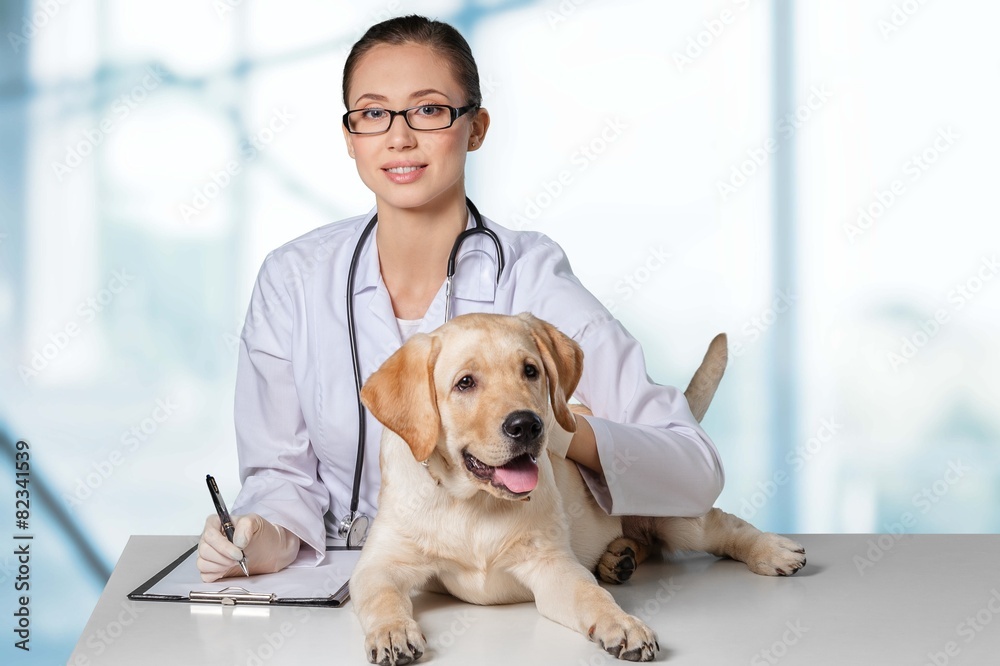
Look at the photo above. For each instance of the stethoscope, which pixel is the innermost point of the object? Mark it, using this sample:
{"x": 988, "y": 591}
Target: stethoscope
{"x": 354, "y": 526}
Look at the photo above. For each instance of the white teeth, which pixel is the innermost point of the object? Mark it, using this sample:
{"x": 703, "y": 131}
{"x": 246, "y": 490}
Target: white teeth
{"x": 402, "y": 169}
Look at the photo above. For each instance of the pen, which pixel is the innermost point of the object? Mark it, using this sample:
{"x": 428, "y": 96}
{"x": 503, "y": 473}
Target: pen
{"x": 227, "y": 522}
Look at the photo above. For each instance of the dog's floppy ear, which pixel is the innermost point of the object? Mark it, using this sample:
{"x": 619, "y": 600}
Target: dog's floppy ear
{"x": 401, "y": 394}
{"x": 563, "y": 361}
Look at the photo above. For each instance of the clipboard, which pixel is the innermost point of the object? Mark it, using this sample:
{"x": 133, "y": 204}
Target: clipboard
{"x": 325, "y": 585}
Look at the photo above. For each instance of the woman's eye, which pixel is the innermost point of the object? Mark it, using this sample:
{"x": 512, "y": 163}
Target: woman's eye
{"x": 429, "y": 110}
{"x": 373, "y": 114}
{"x": 530, "y": 371}
{"x": 465, "y": 383}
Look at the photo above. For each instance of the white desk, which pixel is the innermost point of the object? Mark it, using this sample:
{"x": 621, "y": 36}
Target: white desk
{"x": 929, "y": 599}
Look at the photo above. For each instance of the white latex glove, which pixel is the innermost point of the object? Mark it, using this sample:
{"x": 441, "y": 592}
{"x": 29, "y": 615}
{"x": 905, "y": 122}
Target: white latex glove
{"x": 559, "y": 439}
{"x": 268, "y": 547}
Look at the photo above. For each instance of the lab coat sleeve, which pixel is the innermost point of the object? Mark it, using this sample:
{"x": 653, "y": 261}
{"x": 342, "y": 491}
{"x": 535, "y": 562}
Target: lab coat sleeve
{"x": 278, "y": 466}
{"x": 656, "y": 459}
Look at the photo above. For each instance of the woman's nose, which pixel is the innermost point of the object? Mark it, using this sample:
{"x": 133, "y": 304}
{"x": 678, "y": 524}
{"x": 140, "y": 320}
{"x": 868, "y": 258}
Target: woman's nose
{"x": 400, "y": 135}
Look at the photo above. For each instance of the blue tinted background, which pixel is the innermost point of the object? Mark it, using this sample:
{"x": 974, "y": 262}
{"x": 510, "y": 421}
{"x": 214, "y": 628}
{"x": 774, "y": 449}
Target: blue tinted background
{"x": 816, "y": 179}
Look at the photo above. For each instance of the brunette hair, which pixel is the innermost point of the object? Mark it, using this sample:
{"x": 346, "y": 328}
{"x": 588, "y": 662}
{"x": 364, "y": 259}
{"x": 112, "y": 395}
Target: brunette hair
{"x": 414, "y": 29}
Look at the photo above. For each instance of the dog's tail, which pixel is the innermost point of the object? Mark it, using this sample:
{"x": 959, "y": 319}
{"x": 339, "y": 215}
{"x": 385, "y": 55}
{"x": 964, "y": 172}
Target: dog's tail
{"x": 706, "y": 378}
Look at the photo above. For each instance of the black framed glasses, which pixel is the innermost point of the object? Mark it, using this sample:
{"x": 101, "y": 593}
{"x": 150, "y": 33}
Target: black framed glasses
{"x": 423, "y": 118}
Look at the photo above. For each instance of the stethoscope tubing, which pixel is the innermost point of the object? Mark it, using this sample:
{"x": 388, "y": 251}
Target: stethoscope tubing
{"x": 353, "y": 333}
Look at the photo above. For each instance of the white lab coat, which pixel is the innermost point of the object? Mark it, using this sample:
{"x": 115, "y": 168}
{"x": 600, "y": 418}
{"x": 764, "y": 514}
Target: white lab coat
{"x": 296, "y": 404}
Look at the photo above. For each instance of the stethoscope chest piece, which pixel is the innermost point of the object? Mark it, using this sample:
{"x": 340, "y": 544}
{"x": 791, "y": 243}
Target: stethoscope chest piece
{"x": 354, "y": 528}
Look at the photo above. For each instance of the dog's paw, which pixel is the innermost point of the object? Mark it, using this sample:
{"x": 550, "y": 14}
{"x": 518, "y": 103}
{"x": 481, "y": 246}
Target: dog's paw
{"x": 625, "y": 637}
{"x": 395, "y": 643}
{"x": 618, "y": 562}
{"x": 775, "y": 555}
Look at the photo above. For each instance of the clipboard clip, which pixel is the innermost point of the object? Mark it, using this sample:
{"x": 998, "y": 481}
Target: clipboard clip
{"x": 230, "y": 596}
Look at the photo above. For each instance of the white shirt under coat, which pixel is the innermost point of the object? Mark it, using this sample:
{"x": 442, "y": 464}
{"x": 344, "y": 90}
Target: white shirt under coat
{"x": 296, "y": 406}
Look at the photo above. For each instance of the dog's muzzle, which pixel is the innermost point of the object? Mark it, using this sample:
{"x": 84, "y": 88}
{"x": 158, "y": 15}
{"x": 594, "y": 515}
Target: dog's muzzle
{"x": 519, "y": 475}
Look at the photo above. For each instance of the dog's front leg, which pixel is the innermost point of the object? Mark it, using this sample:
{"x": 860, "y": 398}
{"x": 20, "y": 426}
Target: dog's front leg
{"x": 567, "y": 593}
{"x": 380, "y": 593}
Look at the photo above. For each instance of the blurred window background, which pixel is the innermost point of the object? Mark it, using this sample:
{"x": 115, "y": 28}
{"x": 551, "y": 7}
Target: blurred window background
{"x": 815, "y": 179}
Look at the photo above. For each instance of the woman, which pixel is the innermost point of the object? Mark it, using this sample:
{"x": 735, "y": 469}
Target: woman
{"x": 642, "y": 453}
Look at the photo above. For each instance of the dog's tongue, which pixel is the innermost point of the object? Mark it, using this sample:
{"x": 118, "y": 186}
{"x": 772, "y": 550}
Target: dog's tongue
{"x": 520, "y": 475}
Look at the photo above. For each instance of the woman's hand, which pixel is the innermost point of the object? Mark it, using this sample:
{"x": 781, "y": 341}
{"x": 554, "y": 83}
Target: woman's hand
{"x": 583, "y": 446}
{"x": 268, "y": 547}
{"x": 579, "y": 446}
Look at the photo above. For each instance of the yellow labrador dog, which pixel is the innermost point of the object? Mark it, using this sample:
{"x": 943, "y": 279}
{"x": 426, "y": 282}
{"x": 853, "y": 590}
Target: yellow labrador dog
{"x": 472, "y": 504}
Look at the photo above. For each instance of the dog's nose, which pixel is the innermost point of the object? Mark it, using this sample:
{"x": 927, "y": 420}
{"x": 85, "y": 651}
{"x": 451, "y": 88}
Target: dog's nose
{"x": 523, "y": 427}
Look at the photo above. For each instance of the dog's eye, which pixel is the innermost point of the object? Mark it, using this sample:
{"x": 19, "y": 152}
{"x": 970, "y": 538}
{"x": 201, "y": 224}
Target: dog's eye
{"x": 465, "y": 383}
{"x": 530, "y": 371}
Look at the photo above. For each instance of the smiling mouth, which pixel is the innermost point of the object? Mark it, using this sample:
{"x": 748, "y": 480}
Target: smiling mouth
{"x": 404, "y": 175}
{"x": 518, "y": 476}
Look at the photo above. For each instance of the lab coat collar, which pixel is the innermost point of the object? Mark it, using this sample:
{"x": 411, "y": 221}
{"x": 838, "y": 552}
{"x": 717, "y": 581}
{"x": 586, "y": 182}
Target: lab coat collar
{"x": 475, "y": 266}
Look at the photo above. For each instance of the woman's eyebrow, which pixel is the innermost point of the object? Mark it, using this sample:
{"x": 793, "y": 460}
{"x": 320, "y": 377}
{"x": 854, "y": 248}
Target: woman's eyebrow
{"x": 374, "y": 96}
{"x": 428, "y": 91}
{"x": 382, "y": 98}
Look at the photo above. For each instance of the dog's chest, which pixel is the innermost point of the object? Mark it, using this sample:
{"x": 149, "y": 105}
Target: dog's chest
{"x": 474, "y": 552}
{"x": 480, "y": 576}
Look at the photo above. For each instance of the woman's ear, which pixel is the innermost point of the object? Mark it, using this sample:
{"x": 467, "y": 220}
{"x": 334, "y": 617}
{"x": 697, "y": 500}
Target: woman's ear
{"x": 480, "y": 124}
{"x": 349, "y": 140}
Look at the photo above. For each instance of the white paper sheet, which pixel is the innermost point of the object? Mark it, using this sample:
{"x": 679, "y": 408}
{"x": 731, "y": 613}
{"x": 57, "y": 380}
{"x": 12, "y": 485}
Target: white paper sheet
{"x": 316, "y": 582}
